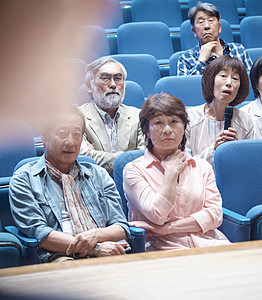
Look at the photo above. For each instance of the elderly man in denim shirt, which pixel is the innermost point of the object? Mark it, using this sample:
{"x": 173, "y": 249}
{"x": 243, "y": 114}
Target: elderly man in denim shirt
{"x": 72, "y": 210}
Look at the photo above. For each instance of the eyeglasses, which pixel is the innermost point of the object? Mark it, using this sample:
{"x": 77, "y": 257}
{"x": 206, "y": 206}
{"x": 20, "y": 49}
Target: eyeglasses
{"x": 106, "y": 78}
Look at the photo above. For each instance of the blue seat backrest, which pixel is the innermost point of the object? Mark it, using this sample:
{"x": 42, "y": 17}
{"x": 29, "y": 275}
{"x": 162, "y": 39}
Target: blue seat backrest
{"x": 118, "y": 167}
{"x": 166, "y": 11}
{"x": 16, "y": 143}
{"x": 145, "y": 38}
{"x": 142, "y": 69}
{"x": 254, "y": 53}
{"x": 173, "y": 62}
{"x": 248, "y": 32}
{"x": 238, "y": 168}
{"x": 253, "y": 7}
{"x": 186, "y": 88}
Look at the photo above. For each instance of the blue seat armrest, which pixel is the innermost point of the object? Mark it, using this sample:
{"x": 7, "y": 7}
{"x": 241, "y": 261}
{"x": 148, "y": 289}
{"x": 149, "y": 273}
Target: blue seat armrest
{"x": 235, "y": 226}
{"x": 137, "y": 231}
{"x": 254, "y": 212}
{"x": 137, "y": 239}
{"x": 235, "y": 217}
{"x": 255, "y": 215}
{"x": 26, "y": 241}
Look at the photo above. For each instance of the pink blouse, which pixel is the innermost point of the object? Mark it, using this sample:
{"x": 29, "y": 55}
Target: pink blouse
{"x": 196, "y": 196}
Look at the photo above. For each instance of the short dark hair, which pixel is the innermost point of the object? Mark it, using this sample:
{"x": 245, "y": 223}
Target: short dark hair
{"x": 211, "y": 71}
{"x": 165, "y": 104}
{"x": 255, "y": 73}
{"x": 208, "y": 8}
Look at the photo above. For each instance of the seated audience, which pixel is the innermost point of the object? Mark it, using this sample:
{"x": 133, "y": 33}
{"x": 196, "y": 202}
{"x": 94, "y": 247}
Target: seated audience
{"x": 172, "y": 195}
{"x": 254, "y": 109}
{"x": 111, "y": 127}
{"x": 206, "y": 26}
{"x": 224, "y": 83}
{"x": 73, "y": 211}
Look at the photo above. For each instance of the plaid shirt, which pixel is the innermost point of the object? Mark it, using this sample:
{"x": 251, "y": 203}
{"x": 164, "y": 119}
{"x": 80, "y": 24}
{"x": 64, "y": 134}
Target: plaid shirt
{"x": 188, "y": 63}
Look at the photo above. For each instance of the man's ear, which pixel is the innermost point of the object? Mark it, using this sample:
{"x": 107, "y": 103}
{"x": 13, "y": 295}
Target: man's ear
{"x": 219, "y": 31}
{"x": 89, "y": 89}
{"x": 193, "y": 29}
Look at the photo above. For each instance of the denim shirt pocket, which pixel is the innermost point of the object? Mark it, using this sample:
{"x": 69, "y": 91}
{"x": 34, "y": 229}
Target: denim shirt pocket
{"x": 46, "y": 209}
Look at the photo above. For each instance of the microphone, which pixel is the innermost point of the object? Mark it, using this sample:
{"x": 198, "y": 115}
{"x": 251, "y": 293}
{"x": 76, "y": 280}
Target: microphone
{"x": 228, "y": 114}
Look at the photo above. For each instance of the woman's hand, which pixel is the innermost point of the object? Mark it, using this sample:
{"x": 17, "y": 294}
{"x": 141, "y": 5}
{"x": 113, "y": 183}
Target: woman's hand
{"x": 150, "y": 228}
{"x": 175, "y": 162}
{"x": 225, "y": 136}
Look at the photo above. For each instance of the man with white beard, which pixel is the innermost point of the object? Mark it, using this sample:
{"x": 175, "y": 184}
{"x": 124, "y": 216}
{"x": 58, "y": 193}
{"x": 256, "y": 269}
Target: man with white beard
{"x": 111, "y": 127}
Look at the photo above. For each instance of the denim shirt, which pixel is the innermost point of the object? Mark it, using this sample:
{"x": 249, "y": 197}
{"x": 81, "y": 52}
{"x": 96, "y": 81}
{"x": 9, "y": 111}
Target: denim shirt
{"x": 36, "y": 210}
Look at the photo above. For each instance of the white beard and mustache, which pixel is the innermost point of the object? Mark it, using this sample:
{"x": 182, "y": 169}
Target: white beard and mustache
{"x": 108, "y": 100}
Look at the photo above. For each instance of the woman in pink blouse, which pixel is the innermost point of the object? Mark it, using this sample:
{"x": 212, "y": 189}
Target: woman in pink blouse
{"x": 170, "y": 194}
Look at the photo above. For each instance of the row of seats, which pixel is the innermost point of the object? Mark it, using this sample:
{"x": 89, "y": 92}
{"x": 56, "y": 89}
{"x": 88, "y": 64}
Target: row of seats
{"x": 143, "y": 69}
{"x": 172, "y": 13}
{"x": 242, "y": 207}
{"x": 154, "y": 38}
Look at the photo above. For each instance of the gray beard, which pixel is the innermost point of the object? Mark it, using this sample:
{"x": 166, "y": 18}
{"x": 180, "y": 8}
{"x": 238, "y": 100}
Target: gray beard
{"x": 107, "y": 100}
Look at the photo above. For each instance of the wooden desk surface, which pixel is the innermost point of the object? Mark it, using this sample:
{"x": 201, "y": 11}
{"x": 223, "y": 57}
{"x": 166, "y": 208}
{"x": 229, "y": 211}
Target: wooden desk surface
{"x": 228, "y": 272}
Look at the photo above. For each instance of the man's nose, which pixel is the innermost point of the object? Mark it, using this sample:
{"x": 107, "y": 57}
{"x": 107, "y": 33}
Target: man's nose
{"x": 112, "y": 83}
{"x": 69, "y": 140}
{"x": 206, "y": 24}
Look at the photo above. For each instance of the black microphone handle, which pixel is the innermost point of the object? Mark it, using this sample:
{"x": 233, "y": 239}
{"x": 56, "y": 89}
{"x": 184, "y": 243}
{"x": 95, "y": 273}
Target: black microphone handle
{"x": 227, "y": 123}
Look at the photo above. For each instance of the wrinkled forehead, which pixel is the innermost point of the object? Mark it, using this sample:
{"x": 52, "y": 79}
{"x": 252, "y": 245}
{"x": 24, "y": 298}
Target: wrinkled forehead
{"x": 69, "y": 120}
{"x": 110, "y": 68}
{"x": 203, "y": 14}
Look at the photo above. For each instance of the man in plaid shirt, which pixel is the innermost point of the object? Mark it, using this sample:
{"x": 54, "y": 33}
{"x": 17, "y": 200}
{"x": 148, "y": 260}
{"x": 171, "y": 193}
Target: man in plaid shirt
{"x": 205, "y": 21}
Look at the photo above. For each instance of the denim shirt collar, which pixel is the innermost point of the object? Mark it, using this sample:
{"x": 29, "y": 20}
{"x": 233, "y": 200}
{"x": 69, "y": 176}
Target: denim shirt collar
{"x": 41, "y": 165}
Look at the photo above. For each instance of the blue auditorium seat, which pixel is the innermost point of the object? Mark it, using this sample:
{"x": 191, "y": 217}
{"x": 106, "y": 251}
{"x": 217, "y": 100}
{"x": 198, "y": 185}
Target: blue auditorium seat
{"x": 254, "y": 53}
{"x": 10, "y": 250}
{"x": 250, "y": 32}
{"x": 119, "y": 164}
{"x": 253, "y": 8}
{"x": 142, "y": 69}
{"x": 146, "y": 38}
{"x": 173, "y": 62}
{"x": 188, "y": 40}
{"x": 16, "y": 143}
{"x": 186, "y": 88}
{"x": 238, "y": 168}
{"x": 166, "y": 11}
{"x": 134, "y": 95}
